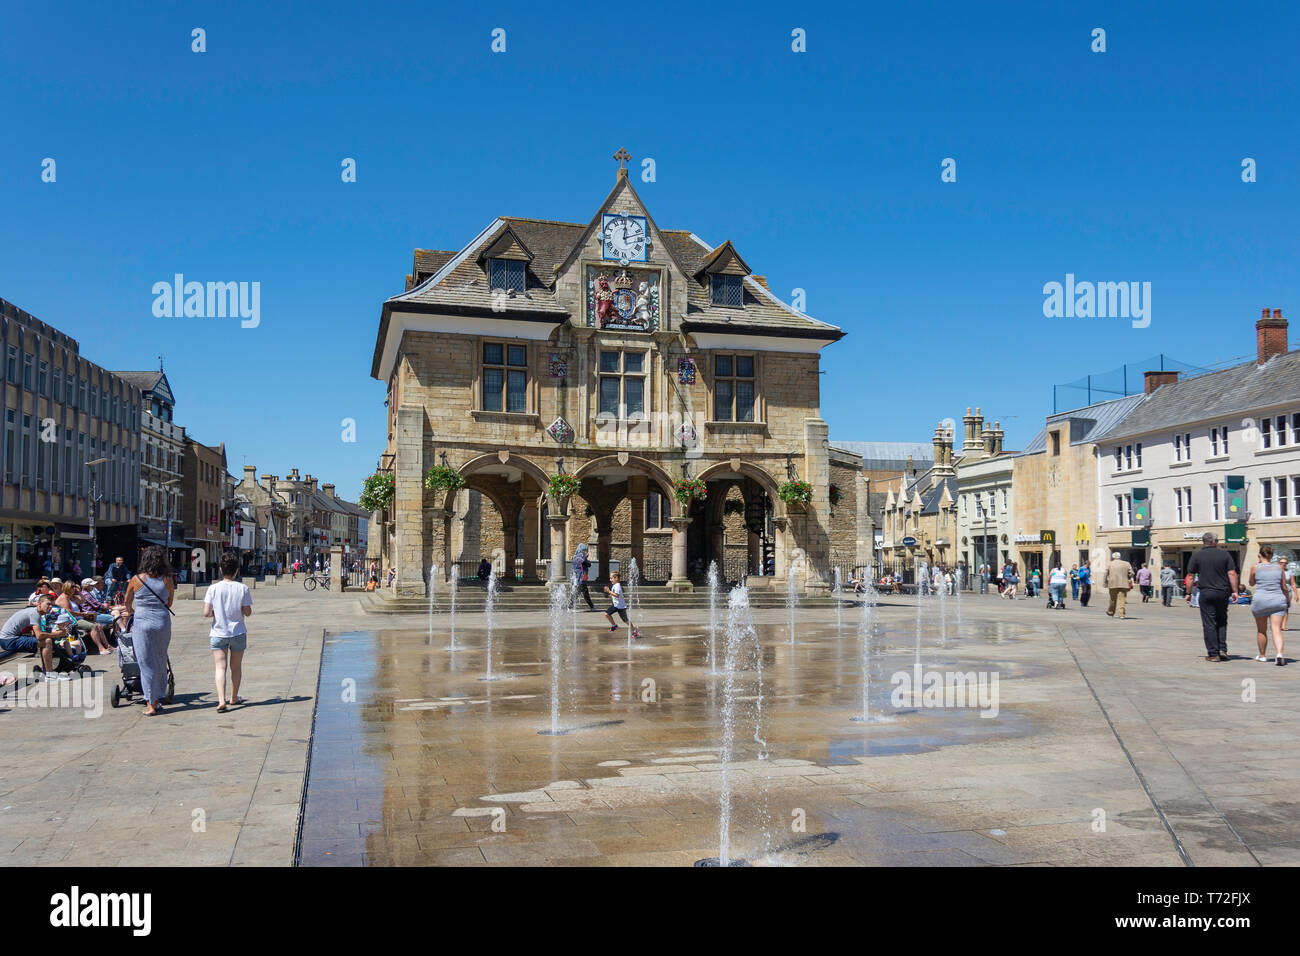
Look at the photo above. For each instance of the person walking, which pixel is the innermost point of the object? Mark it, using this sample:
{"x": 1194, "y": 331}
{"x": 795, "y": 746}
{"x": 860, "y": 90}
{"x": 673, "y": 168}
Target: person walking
{"x": 1085, "y": 584}
{"x": 1074, "y": 582}
{"x": 1118, "y": 581}
{"x": 1035, "y": 583}
{"x": 1056, "y": 586}
{"x": 1168, "y": 581}
{"x": 1269, "y": 603}
{"x": 1217, "y": 582}
{"x": 1289, "y": 578}
{"x": 579, "y": 571}
{"x": 118, "y": 575}
{"x": 149, "y": 598}
{"x": 228, "y": 602}
{"x": 1144, "y": 582}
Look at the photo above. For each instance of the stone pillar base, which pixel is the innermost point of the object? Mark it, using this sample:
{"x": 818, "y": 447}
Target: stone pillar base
{"x": 676, "y": 586}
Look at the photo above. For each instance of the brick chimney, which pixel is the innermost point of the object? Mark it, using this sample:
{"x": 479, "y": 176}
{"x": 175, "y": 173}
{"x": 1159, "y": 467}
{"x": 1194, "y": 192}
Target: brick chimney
{"x": 996, "y": 434}
{"x": 270, "y": 483}
{"x": 293, "y": 475}
{"x": 310, "y": 482}
{"x": 266, "y": 480}
{"x": 250, "y": 474}
{"x": 329, "y": 490}
{"x": 1270, "y": 335}
{"x": 1154, "y": 379}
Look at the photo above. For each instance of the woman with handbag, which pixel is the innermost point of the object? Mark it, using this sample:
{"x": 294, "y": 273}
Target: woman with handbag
{"x": 149, "y": 599}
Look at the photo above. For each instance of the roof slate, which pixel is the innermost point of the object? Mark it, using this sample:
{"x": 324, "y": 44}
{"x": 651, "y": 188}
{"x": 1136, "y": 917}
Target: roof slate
{"x": 1229, "y": 392}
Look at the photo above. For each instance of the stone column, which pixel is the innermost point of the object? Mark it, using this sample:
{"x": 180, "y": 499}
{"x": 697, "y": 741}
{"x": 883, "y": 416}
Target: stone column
{"x": 336, "y": 569}
{"x": 814, "y": 536}
{"x": 680, "y": 581}
{"x": 558, "y": 571}
{"x": 779, "y": 525}
{"x": 408, "y": 502}
{"x": 604, "y": 538}
{"x": 636, "y": 495}
{"x": 508, "y": 532}
{"x": 531, "y": 531}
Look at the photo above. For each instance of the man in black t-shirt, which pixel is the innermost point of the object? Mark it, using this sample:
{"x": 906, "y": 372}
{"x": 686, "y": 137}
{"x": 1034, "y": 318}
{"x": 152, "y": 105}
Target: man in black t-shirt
{"x": 1218, "y": 582}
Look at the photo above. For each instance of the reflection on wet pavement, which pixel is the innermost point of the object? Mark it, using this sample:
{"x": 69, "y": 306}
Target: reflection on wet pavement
{"x": 415, "y": 760}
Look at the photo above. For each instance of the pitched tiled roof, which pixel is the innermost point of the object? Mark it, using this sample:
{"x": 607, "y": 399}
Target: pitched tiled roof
{"x": 1090, "y": 423}
{"x": 141, "y": 380}
{"x": 890, "y": 455}
{"x": 1233, "y": 391}
{"x": 458, "y": 283}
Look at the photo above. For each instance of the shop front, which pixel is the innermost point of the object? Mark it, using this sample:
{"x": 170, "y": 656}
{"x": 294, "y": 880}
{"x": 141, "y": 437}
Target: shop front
{"x": 1037, "y": 552}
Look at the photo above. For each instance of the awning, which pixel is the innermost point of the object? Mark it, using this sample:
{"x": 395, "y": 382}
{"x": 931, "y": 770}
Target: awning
{"x": 174, "y": 544}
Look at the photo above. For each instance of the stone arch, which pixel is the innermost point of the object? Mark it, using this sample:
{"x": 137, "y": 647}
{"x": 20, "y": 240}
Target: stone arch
{"x": 494, "y": 463}
{"x": 647, "y": 467}
{"x": 768, "y": 483}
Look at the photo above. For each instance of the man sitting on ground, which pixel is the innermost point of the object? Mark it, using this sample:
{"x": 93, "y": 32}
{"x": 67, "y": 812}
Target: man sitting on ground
{"x": 24, "y": 633}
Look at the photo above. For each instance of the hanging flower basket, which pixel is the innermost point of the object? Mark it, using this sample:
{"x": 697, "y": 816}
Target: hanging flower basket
{"x": 443, "y": 478}
{"x": 835, "y": 495}
{"x": 377, "y": 491}
{"x": 686, "y": 490}
{"x": 564, "y": 486}
{"x": 795, "y": 492}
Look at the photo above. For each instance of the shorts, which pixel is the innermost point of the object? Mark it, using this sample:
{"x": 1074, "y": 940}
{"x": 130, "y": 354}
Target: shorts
{"x": 620, "y": 611}
{"x": 237, "y": 643}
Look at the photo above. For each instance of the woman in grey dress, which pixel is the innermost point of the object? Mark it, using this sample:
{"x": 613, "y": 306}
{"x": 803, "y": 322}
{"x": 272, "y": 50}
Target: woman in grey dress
{"x": 1269, "y": 603}
{"x": 149, "y": 596}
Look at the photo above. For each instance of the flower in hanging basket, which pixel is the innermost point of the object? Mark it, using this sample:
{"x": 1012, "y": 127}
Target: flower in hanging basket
{"x": 443, "y": 478}
{"x": 564, "y": 486}
{"x": 687, "y": 489}
{"x": 835, "y": 495}
{"x": 377, "y": 491}
{"x": 795, "y": 492}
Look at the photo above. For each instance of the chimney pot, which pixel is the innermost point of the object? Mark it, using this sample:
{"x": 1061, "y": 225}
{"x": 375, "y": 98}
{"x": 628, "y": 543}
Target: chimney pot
{"x": 1270, "y": 336}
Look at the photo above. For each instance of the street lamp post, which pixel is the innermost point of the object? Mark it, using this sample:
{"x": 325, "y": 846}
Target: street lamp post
{"x": 94, "y": 508}
{"x": 170, "y": 484}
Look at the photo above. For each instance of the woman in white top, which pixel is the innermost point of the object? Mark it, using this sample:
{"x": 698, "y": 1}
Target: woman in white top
{"x": 228, "y": 602}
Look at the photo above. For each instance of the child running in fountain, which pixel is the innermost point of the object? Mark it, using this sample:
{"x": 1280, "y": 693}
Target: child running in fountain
{"x": 618, "y": 604}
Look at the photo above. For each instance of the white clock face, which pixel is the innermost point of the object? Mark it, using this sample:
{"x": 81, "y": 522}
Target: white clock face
{"x": 624, "y": 237}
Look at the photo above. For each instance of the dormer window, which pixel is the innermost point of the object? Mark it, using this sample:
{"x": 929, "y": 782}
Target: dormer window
{"x": 727, "y": 290}
{"x": 507, "y": 274}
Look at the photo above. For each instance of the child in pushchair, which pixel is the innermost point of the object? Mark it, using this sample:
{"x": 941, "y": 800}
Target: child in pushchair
{"x": 69, "y": 652}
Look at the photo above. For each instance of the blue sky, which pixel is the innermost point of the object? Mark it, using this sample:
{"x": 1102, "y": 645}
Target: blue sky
{"x": 822, "y": 167}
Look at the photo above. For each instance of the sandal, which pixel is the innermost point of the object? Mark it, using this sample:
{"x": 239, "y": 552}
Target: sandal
{"x": 221, "y": 708}
{"x": 237, "y": 700}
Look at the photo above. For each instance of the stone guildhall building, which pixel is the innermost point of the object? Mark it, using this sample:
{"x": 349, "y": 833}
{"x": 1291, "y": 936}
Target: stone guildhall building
{"x": 630, "y": 358}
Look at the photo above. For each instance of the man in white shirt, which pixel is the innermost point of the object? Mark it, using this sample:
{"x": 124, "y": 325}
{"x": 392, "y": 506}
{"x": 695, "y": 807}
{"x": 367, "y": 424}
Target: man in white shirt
{"x": 228, "y": 602}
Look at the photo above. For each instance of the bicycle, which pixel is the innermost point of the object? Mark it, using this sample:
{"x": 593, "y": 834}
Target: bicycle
{"x": 312, "y": 580}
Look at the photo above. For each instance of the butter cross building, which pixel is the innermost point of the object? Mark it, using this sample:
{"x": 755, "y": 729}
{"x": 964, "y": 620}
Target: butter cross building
{"x": 635, "y": 360}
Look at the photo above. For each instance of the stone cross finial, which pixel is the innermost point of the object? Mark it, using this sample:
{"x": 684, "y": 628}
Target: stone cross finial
{"x": 622, "y": 156}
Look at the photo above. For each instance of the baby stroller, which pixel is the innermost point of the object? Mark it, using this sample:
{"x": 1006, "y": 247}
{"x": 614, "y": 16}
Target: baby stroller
{"x": 1054, "y": 604}
{"x": 66, "y": 661}
{"x": 130, "y": 669}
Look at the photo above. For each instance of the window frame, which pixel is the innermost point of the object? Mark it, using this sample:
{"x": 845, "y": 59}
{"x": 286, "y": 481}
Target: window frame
{"x": 509, "y": 266}
{"x": 734, "y": 378}
{"x": 725, "y": 285}
{"x": 505, "y": 367}
{"x": 622, "y": 376}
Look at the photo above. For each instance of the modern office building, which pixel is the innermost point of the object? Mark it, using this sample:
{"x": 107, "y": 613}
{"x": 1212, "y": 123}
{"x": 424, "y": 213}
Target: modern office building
{"x": 71, "y": 431}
